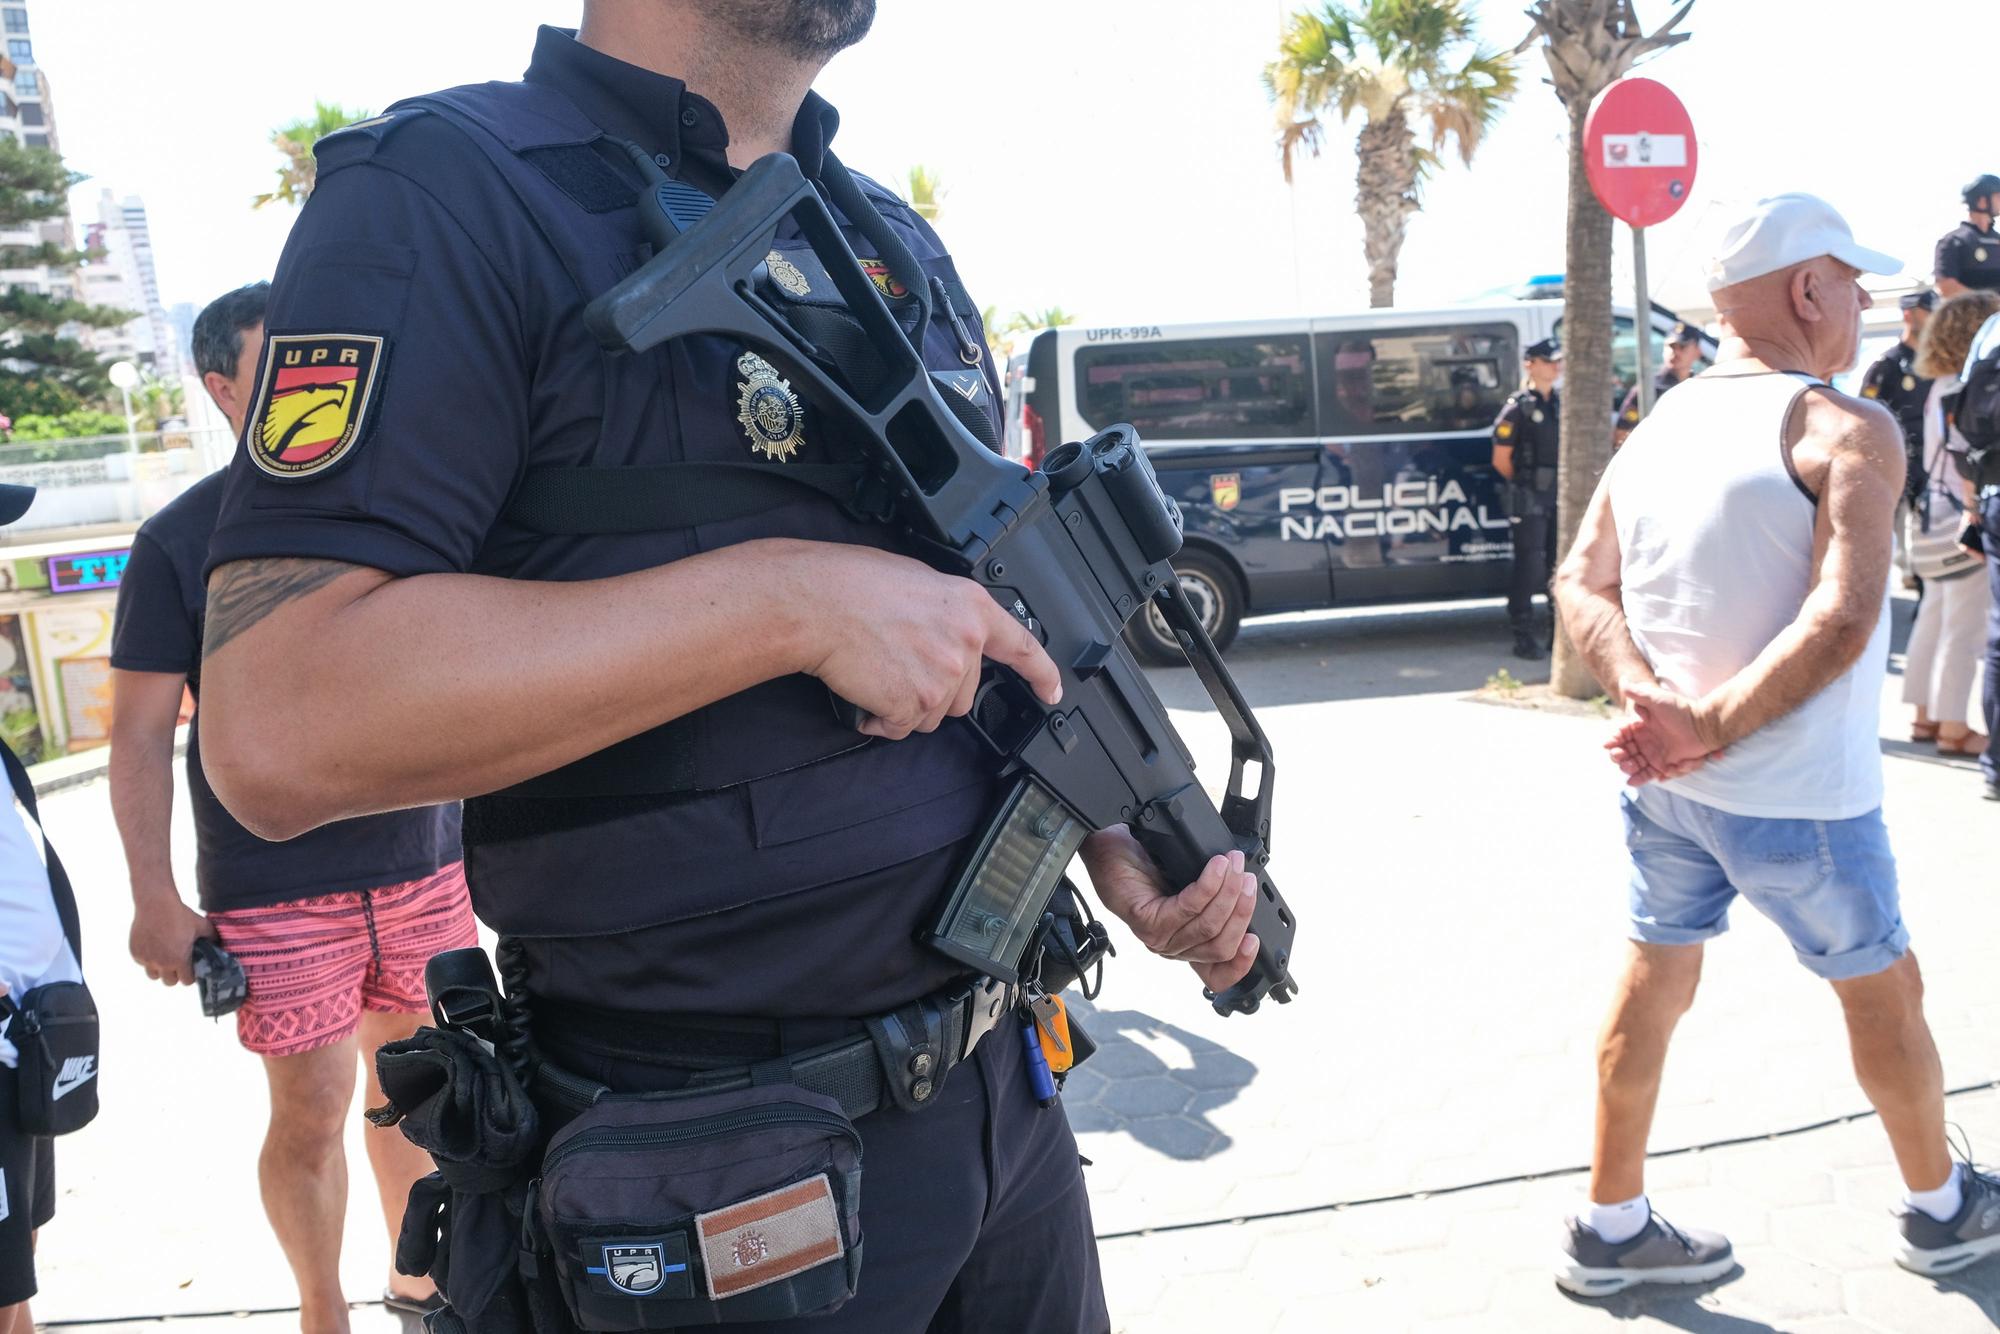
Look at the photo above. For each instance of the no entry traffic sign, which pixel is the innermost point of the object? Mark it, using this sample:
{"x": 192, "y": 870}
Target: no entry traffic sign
{"x": 1639, "y": 150}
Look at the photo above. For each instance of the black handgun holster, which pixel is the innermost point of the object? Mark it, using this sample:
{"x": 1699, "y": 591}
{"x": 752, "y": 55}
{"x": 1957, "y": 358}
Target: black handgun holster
{"x": 455, "y": 1099}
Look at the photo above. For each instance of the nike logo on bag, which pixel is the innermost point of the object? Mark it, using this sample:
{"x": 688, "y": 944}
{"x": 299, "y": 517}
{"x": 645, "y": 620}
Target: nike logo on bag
{"x": 76, "y": 1072}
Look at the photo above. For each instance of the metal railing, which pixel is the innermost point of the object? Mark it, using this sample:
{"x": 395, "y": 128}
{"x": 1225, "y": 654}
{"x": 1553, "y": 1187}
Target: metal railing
{"x": 92, "y": 481}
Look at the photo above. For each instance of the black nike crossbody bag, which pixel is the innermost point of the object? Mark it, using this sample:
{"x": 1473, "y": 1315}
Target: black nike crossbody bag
{"x": 54, "y": 1026}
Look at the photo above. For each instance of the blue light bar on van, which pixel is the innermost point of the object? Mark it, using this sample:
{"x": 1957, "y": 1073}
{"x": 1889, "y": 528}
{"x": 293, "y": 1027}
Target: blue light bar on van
{"x": 1541, "y": 287}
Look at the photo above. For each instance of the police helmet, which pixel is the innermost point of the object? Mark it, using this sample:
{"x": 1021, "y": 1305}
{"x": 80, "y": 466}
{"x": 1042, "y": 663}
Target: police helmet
{"x": 1987, "y": 186}
{"x": 1546, "y": 349}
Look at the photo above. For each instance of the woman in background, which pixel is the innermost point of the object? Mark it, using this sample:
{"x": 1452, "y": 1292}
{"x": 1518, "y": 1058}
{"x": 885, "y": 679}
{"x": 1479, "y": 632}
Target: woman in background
{"x": 1941, "y": 671}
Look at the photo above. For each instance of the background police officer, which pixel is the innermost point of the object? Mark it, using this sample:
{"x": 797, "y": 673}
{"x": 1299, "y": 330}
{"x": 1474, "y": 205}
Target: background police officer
{"x": 1968, "y": 256}
{"x": 1524, "y": 452}
{"x": 1893, "y": 382}
{"x": 1683, "y": 350}
{"x": 746, "y": 871}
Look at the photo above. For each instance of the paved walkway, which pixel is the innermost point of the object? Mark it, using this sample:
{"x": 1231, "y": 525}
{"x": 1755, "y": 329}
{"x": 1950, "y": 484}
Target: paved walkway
{"x": 1454, "y": 865}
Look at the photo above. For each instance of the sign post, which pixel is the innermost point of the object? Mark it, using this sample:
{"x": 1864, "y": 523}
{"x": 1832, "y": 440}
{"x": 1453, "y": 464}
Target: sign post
{"x": 1639, "y": 152}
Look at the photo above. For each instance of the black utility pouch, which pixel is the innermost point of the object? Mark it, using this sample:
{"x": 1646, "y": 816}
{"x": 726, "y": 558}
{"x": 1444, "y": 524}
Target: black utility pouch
{"x": 55, "y": 1031}
{"x": 662, "y": 1211}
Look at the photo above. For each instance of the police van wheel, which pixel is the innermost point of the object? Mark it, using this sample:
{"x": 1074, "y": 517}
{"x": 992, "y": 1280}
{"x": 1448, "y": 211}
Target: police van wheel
{"x": 1217, "y": 597}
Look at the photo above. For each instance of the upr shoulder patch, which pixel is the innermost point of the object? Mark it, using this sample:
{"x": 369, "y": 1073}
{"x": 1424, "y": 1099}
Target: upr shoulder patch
{"x": 313, "y": 402}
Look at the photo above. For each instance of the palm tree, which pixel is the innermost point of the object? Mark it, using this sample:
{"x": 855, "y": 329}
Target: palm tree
{"x": 158, "y": 399}
{"x": 294, "y": 142}
{"x": 1397, "y": 62}
{"x": 927, "y": 192}
{"x": 1589, "y": 44}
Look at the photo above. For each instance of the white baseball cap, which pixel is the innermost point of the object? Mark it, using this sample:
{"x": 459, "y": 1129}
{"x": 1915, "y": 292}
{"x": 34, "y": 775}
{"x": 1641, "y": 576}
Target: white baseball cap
{"x": 1785, "y": 230}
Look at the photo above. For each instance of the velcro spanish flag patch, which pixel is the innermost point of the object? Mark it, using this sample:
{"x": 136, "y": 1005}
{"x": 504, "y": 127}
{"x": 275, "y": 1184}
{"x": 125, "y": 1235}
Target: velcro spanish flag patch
{"x": 770, "y": 1237}
{"x": 313, "y": 401}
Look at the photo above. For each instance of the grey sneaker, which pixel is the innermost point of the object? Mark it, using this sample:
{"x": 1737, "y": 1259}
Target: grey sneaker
{"x": 1930, "y": 1247}
{"x": 1662, "y": 1253}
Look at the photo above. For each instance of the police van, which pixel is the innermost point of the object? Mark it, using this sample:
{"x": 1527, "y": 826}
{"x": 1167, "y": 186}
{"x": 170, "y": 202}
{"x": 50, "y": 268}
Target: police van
{"x": 1318, "y": 462}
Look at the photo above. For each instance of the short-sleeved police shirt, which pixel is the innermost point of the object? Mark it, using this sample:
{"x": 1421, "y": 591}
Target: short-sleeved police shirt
{"x": 158, "y": 629}
{"x": 797, "y": 892}
{"x": 1970, "y": 256}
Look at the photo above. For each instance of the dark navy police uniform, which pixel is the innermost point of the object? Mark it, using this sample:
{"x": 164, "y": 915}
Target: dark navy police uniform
{"x": 1530, "y": 424}
{"x": 1893, "y": 382}
{"x": 158, "y": 629}
{"x": 441, "y": 267}
{"x": 1970, "y": 256}
{"x": 1628, "y": 411}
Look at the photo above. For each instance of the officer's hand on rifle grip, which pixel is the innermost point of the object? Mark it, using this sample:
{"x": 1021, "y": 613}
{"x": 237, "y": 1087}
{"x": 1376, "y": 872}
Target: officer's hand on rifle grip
{"x": 905, "y": 644}
{"x": 1206, "y": 924}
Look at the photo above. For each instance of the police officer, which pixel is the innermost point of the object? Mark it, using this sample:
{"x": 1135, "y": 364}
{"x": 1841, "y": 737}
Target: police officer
{"x": 1524, "y": 452}
{"x": 1968, "y": 256}
{"x": 683, "y": 847}
{"x": 1683, "y": 350}
{"x": 1893, "y": 382}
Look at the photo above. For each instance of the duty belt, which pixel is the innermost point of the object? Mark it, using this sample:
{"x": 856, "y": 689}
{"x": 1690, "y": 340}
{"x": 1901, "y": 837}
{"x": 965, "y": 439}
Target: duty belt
{"x": 900, "y": 1059}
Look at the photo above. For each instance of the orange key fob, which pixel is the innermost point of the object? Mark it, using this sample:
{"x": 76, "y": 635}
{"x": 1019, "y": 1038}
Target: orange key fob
{"x": 1052, "y": 1027}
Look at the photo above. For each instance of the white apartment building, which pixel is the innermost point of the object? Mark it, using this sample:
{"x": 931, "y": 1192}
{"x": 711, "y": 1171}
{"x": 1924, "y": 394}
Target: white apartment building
{"x": 122, "y": 276}
{"x": 27, "y": 115}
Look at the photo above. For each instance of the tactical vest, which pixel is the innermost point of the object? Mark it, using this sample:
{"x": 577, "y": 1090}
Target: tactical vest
{"x": 1535, "y": 449}
{"x": 660, "y": 408}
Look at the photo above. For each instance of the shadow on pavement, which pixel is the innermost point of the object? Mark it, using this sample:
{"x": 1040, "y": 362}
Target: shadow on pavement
{"x": 1676, "y": 1306}
{"x": 1152, "y": 1081}
{"x": 1361, "y": 655}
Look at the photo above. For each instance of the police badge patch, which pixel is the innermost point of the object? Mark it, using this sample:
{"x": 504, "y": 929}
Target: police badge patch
{"x": 885, "y": 281}
{"x": 312, "y": 403}
{"x": 635, "y": 1269}
{"x": 786, "y": 274}
{"x": 1225, "y": 489}
{"x": 767, "y": 409}
{"x": 645, "y": 1268}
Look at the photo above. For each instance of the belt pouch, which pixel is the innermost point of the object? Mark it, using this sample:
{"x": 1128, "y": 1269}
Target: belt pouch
{"x": 657, "y": 1211}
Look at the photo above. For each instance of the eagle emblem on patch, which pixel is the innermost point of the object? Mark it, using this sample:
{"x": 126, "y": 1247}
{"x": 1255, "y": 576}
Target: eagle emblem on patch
{"x": 637, "y": 1270}
{"x": 1225, "y": 489}
{"x": 885, "y": 281}
{"x": 313, "y": 402}
{"x": 786, "y": 274}
{"x": 767, "y": 409}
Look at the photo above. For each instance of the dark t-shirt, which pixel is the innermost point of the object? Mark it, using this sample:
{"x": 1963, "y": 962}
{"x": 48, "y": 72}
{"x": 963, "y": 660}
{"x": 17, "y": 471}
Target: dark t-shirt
{"x": 158, "y": 629}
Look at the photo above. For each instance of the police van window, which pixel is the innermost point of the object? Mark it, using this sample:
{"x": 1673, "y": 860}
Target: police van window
{"x": 1408, "y": 381}
{"x": 1199, "y": 389}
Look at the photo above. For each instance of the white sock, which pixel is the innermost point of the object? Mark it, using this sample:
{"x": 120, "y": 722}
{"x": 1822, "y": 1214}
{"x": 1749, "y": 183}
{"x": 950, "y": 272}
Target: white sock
{"x": 1943, "y": 1203}
{"x": 1622, "y": 1222}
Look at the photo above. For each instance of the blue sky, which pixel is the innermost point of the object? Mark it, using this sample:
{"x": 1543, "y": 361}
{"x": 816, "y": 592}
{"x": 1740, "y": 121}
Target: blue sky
{"x": 1110, "y": 156}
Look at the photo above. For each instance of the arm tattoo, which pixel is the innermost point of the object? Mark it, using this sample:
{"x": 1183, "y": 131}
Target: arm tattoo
{"x": 242, "y": 593}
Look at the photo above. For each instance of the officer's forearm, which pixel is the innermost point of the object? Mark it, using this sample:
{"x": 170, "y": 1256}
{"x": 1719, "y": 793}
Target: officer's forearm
{"x": 332, "y": 690}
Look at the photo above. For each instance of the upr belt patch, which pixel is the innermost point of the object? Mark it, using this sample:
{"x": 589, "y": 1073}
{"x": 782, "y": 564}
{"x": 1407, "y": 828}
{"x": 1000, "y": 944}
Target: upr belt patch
{"x": 313, "y": 403}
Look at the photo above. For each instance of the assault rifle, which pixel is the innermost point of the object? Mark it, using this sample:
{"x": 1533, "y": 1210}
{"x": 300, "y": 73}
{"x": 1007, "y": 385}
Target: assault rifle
{"x": 1074, "y": 551}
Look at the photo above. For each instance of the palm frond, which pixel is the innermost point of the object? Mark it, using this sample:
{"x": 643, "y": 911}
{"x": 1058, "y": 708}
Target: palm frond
{"x": 1463, "y": 104}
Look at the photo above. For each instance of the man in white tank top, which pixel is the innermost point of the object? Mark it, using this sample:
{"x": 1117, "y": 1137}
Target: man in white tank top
{"x": 1730, "y": 584}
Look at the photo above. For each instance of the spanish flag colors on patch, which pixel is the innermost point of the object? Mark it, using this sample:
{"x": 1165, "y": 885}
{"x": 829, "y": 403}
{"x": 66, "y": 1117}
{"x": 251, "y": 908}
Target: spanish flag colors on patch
{"x": 313, "y": 401}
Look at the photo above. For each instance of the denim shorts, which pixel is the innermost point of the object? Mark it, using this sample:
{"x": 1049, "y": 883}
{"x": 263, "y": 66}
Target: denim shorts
{"x": 1830, "y": 885}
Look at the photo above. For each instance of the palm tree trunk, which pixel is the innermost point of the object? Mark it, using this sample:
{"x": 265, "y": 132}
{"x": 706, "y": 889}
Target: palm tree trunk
{"x": 1385, "y": 176}
{"x": 1587, "y": 379}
